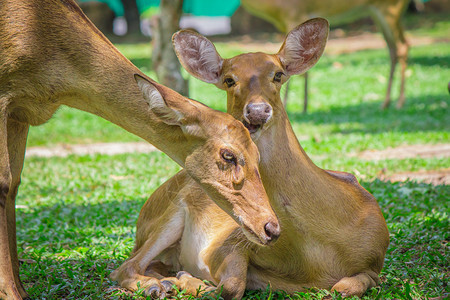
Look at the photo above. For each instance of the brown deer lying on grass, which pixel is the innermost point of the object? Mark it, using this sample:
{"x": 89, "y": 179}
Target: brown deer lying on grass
{"x": 52, "y": 55}
{"x": 333, "y": 232}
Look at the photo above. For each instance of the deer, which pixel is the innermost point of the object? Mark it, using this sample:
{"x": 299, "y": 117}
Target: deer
{"x": 286, "y": 14}
{"x": 52, "y": 55}
{"x": 334, "y": 234}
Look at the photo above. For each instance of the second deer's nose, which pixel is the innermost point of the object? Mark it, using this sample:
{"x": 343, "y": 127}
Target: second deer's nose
{"x": 258, "y": 113}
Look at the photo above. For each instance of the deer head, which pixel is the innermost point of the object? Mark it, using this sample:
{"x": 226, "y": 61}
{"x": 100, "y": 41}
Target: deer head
{"x": 222, "y": 158}
{"x": 253, "y": 80}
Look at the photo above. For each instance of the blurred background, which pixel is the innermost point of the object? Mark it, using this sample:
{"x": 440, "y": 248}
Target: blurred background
{"x": 206, "y": 16}
{"x": 140, "y": 20}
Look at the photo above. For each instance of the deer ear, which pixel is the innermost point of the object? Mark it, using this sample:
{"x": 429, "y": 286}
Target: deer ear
{"x": 157, "y": 104}
{"x": 303, "y": 46}
{"x": 198, "y": 55}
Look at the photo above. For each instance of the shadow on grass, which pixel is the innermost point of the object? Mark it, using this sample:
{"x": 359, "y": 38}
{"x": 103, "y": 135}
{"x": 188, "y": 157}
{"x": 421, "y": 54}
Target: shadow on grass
{"x": 441, "y": 61}
{"x": 425, "y": 113}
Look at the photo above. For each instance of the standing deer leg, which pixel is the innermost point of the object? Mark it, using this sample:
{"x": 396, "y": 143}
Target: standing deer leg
{"x": 8, "y": 288}
{"x": 305, "y": 97}
{"x": 12, "y": 148}
{"x": 17, "y": 140}
{"x": 305, "y": 100}
{"x": 387, "y": 101}
{"x": 402, "y": 54}
{"x": 389, "y": 23}
{"x": 398, "y": 48}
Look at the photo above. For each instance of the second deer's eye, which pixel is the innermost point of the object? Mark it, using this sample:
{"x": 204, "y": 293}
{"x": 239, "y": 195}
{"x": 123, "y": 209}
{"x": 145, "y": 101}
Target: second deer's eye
{"x": 278, "y": 76}
{"x": 229, "y": 81}
{"x": 228, "y": 156}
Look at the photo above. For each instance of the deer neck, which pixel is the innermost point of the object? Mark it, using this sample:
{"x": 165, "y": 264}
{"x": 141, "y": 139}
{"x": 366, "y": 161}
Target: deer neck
{"x": 289, "y": 176}
{"x": 304, "y": 196}
{"x": 83, "y": 70}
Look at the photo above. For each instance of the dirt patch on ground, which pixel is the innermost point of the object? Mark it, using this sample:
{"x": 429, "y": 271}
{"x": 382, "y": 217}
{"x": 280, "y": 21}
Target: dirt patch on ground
{"x": 423, "y": 151}
{"x": 337, "y": 44}
{"x": 98, "y": 148}
{"x": 435, "y": 177}
{"x": 401, "y": 152}
{"x": 409, "y": 151}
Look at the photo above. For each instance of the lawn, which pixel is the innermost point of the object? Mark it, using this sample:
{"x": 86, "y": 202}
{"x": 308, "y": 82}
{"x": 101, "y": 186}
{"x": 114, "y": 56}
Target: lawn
{"x": 76, "y": 215}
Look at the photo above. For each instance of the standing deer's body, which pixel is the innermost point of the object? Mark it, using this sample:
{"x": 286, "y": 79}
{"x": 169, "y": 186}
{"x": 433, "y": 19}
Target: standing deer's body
{"x": 333, "y": 232}
{"x": 286, "y": 14}
{"x": 52, "y": 55}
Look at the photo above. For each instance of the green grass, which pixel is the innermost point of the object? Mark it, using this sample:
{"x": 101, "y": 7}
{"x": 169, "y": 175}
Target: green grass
{"x": 77, "y": 221}
{"x": 76, "y": 216}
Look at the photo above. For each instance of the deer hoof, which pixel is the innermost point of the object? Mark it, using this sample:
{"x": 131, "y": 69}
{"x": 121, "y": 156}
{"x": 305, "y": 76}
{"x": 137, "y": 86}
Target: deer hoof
{"x": 155, "y": 292}
{"x": 167, "y": 285}
{"x": 183, "y": 273}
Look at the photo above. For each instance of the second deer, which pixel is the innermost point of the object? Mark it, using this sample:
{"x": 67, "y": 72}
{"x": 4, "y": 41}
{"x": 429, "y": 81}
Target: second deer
{"x": 333, "y": 232}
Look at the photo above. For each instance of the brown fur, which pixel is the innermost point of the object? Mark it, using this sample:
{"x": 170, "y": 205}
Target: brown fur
{"x": 286, "y": 14}
{"x": 333, "y": 232}
{"x": 52, "y": 55}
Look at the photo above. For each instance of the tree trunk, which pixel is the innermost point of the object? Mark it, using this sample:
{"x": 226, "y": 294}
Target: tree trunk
{"x": 132, "y": 16}
{"x": 165, "y": 61}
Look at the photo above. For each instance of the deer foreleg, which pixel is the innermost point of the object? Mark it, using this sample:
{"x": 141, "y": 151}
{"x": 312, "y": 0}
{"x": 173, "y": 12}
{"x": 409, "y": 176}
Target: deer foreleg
{"x": 12, "y": 150}
{"x": 17, "y": 140}
{"x": 139, "y": 271}
{"x": 230, "y": 269}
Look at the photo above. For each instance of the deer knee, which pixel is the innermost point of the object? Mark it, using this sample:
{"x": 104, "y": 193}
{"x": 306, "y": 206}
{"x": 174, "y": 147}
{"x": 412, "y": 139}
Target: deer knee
{"x": 402, "y": 53}
{"x": 5, "y": 187}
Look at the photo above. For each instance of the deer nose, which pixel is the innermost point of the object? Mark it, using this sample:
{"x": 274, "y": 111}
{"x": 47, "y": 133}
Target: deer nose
{"x": 272, "y": 230}
{"x": 258, "y": 113}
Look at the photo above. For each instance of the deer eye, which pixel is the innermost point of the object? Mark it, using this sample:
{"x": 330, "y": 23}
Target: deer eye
{"x": 229, "y": 81}
{"x": 278, "y": 76}
{"x": 228, "y": 156}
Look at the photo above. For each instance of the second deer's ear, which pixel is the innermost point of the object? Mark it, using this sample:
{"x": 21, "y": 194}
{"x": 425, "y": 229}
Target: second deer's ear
{"x": 198, "y": 55}
{"x": 303, "y": 46}
{"x": 173, "y": 108}
{"x": 157, "y": 104}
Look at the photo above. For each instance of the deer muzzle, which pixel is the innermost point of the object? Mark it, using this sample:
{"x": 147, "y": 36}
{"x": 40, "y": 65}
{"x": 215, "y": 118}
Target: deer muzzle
{"x": 258, "y": 113}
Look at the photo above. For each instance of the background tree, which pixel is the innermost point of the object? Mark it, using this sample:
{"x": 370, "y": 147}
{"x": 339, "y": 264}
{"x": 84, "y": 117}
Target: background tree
{"x": 165, "y": 62}
{"x": 132, "y": 16}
